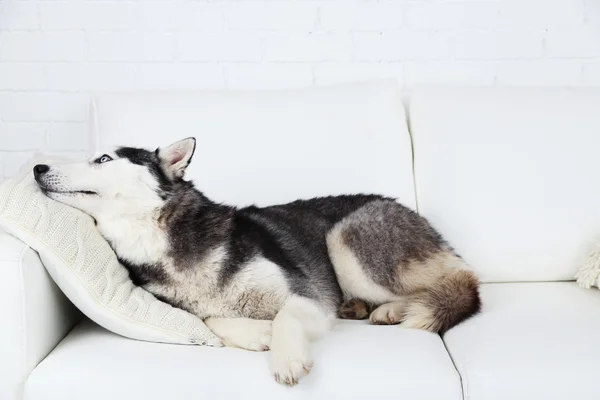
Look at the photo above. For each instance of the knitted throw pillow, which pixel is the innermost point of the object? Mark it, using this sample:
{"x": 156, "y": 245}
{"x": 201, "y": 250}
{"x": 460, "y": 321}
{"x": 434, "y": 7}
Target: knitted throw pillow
{"x": 86, "y": 269}
{"x": 589, "y": 272}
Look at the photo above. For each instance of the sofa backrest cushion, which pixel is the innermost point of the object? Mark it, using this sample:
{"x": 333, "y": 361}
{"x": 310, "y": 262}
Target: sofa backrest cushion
{"x": 266, "y": 147}
{"x": 510, "y": 176}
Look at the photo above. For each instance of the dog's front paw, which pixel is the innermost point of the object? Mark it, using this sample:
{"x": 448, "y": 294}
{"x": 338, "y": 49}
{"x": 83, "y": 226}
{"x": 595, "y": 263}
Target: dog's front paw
{"x": 289, "y": 364}
{"x": 254, "y": 335}
{"x": 289, "y": 371}
{"x": 245, "y": 333}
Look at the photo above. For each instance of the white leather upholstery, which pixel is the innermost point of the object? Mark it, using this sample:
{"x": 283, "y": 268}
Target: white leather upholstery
{"x": 35, "y": 314}
{"x": 268, "y": 147}
{"x": 510, "y": 176}
{"x": 533, "y": 341}
{"x": 356, "y": 361}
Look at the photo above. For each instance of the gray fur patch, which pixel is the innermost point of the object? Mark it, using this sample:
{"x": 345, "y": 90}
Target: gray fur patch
{"x": 385, "y": 235}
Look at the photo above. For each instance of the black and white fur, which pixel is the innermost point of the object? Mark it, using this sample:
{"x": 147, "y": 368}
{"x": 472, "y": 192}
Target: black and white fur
{"x": 292, "y": 264}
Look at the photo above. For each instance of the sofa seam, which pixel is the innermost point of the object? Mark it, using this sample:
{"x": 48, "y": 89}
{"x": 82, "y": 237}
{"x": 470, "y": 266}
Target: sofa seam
{"x": 412, "y": 156}
{"x": 463, "y": 382}
{"x": 67, "y": 333}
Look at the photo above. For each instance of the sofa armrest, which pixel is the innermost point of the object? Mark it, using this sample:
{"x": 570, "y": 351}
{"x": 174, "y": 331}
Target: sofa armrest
{"x": 35, "y": 314}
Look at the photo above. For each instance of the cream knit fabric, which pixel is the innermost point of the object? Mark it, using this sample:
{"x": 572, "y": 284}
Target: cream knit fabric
{"x": 84, "y": 266}
{"x": 589, "y": 272}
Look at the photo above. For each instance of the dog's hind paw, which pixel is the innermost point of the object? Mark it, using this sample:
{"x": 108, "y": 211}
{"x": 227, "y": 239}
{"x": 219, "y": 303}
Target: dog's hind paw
{"x": 355, "y": 309}
{"x": 387, "y": 314}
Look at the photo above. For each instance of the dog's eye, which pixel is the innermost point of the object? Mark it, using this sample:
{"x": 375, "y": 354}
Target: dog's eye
{"x": 103, "y": 159}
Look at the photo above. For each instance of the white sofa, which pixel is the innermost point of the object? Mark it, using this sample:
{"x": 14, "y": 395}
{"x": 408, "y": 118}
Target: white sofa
{"x": 510, "y": 176}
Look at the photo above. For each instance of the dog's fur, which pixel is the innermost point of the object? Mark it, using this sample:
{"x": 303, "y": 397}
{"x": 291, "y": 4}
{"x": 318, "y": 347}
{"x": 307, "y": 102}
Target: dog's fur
{"x": 294, "y": 264}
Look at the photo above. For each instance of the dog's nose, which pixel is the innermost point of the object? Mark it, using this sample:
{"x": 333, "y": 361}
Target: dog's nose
{"x": 40, "y": 169}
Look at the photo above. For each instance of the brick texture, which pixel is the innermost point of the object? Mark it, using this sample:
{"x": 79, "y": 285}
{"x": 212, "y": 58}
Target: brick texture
{"x": 55, "y": 53}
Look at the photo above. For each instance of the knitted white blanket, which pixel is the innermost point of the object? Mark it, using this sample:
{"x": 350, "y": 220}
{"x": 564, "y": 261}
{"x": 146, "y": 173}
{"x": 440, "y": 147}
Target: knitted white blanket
{"x": 86, "y": 269}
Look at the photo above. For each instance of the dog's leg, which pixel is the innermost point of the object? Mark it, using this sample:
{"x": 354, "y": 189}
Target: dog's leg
{"x": 299, "y": 321}
{"x": 246, "y": 333}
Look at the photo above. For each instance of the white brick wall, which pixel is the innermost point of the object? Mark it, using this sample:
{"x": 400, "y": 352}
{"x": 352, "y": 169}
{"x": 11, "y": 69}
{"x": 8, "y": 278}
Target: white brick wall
{"x": 53, "y": 54}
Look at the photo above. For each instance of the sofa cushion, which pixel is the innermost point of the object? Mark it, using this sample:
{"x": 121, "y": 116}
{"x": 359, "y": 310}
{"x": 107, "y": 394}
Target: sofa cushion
{"x": 268, "y": 147}
{"x": 356, "y": 361}
{"x": 533, "y": 341}
{"x": 510, "y": 176}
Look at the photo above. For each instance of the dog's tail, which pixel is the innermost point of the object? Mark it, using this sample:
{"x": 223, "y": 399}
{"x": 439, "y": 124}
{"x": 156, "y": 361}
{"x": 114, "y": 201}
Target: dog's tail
{"x": 453, "y": 299}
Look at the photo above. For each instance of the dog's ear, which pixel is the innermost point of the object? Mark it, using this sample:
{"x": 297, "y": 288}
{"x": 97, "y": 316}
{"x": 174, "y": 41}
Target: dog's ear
{"x": 175, "y": 158}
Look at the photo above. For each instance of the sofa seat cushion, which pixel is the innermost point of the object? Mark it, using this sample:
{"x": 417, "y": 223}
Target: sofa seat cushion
{"x": 531, "y": 341}
{"x": 355, "y": 361}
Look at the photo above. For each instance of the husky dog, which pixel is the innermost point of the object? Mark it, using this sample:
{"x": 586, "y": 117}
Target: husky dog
{"x": 241, "y": 268}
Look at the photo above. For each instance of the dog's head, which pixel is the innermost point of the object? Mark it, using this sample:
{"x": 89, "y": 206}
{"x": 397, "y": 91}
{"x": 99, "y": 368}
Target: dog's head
{"x": 115, "y": 181}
